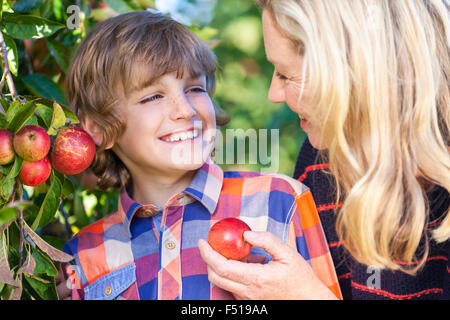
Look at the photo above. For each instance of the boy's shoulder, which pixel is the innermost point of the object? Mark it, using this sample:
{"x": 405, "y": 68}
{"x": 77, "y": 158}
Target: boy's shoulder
{"x": 249, "y": 181}
{"x": 93, "y": 233}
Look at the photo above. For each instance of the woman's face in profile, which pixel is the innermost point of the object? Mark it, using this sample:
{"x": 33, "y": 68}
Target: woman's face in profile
{"x": 287, "y": 79}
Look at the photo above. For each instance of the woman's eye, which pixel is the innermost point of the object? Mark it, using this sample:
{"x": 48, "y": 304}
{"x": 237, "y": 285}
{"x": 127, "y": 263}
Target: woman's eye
{"x": 151, "y": 98}
{"x": 280, "y": 76}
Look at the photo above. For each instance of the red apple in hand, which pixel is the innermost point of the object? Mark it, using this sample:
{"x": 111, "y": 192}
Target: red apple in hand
{"x": 73, "y": 151}
{"x": 32, "y": 143}
{"x": 6, "y": 147}
{"x": 227, "y": 238}
{"x": 33, "y": 173}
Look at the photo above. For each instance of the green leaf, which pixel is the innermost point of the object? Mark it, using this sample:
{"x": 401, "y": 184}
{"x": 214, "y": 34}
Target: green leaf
{"x": 60, "y": 52}
{"x": 22, "y": 116}
{"x": 73, "y": 119}
{"x": 42, "y": 85}
{"x": 50, "y": 204}
{"x": 4, "y": 104}
{"x": 3, "y": 122}
{"x": 6, "y": 214}
{"x": 15, "y": 169}
{"x": 58, "y": 119}
{"x": 28, "y": 27}
{"x": 13, "y": 60}
{"x": 12, "y": 110}
{"x": 57, "y": 9}
{"x": 26, "y": 6}
{"x": 11, "y": 210}
{"x": 46, "y": 113}
{"x": 43, "y": 264}
{"x": 68, "y": 188}
{"x": 46, "y": 289}
{"x": 6, "y": 188}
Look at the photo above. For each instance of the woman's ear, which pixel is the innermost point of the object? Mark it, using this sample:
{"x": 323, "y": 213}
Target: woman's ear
{"x": 95, "y": 131}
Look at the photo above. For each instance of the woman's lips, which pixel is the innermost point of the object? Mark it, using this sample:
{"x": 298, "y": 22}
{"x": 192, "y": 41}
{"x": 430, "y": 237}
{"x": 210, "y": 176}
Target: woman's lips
{"x": 305, "y": 124}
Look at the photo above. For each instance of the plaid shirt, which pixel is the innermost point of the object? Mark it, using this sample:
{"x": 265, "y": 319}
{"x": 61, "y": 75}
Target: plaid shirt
{"x": 146, "y": 252}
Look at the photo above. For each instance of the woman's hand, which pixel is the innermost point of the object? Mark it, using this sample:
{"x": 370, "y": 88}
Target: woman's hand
{"x": 287, "y": 276}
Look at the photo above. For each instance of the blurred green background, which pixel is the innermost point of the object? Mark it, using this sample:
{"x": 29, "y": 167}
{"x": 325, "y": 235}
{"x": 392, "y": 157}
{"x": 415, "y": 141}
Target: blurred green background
{"x": 244, "y": 79}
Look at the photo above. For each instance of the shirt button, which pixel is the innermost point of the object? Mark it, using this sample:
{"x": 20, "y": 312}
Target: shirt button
{"x": 108, "y": 290}
{"x": 170, "y": 245}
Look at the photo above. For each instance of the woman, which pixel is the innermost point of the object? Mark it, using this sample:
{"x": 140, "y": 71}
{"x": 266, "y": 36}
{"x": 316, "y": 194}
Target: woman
{"x": 370, "y": 83}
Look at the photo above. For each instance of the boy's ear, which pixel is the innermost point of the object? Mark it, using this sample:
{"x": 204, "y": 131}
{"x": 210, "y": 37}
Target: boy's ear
{"x": 95, "y": 131}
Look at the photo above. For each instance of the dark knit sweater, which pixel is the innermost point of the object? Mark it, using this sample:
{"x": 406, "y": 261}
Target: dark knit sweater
{"x": 358, "y": 281}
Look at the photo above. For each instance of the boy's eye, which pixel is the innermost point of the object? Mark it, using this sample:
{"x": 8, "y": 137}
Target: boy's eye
{"x": 151, "y": 98}
{"x": 196, "y": 89}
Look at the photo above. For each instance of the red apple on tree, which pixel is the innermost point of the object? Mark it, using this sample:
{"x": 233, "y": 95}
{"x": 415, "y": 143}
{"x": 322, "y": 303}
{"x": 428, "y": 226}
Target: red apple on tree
{"x": 227, "y": 238}
{"x": 34, "y": 173}
{"x": 6, "y": 147}
{"x": 73, "y": 150}
{"x": 32, "y": 143}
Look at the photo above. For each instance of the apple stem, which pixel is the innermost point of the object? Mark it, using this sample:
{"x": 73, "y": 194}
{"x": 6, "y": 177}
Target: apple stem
{"x": 6, "y": 70}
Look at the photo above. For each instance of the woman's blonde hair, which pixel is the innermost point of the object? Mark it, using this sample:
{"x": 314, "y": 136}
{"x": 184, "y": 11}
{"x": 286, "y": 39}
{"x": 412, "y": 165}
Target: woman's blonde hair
{"x": 378, "y": 73}
{"x": 124, "y": 54}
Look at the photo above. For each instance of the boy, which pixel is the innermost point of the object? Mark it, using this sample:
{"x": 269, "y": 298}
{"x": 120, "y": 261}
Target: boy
{"x": 142, "y": 85}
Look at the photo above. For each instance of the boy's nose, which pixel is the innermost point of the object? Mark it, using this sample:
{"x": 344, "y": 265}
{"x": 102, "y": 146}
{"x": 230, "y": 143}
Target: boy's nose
{"x": 183, "y": 108}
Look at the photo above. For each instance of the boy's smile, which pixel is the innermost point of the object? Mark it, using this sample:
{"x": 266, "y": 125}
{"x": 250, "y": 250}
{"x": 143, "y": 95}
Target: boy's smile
{"x": 170, "y": 127}
{"x": 181, "y": 136}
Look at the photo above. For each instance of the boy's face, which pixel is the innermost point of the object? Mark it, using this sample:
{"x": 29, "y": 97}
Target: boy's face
{"x": 170, "y": 127}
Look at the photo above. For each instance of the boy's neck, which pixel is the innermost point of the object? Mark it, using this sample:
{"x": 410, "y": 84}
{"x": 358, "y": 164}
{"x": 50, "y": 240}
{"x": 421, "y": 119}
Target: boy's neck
{"x": 158, "y": 190}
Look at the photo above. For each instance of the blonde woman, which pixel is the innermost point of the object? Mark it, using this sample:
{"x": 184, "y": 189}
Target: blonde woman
{"x": 370, "y": 83}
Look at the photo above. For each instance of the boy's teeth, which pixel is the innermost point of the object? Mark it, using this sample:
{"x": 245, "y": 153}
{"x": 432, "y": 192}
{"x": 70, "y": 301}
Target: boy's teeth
{"x": 183, "y": 136}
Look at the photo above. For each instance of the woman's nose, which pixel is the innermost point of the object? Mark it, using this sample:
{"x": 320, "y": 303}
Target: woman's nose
{"x": 276, "y": 90}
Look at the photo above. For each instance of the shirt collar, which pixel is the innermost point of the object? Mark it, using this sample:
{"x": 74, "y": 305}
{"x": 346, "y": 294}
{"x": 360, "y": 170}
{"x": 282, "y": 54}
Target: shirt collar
{"x": 204, "y": 187}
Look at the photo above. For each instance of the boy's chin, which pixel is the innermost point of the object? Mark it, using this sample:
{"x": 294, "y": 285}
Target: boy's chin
{"x": 191, "y": 157}
{"x": 189, "y": 163}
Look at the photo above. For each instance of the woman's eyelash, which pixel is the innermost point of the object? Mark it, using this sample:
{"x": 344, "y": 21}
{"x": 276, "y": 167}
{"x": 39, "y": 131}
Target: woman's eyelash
{"x": 280, "y": 76}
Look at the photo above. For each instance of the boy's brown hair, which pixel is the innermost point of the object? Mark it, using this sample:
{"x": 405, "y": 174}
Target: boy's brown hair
{"x": 124, "y": 54}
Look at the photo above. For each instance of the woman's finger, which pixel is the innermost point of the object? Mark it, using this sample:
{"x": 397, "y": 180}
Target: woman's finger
{"x": 236, "y": 288}
{"x": 236, "y": 271}
{"x": 270, "y": 243}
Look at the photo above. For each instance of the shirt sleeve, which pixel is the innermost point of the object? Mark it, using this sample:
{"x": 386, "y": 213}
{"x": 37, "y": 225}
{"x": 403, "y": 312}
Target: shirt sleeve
{"x": 306, "y": 234}
{"x": 71, "y": 272}
{"x": 73, "y": 281}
